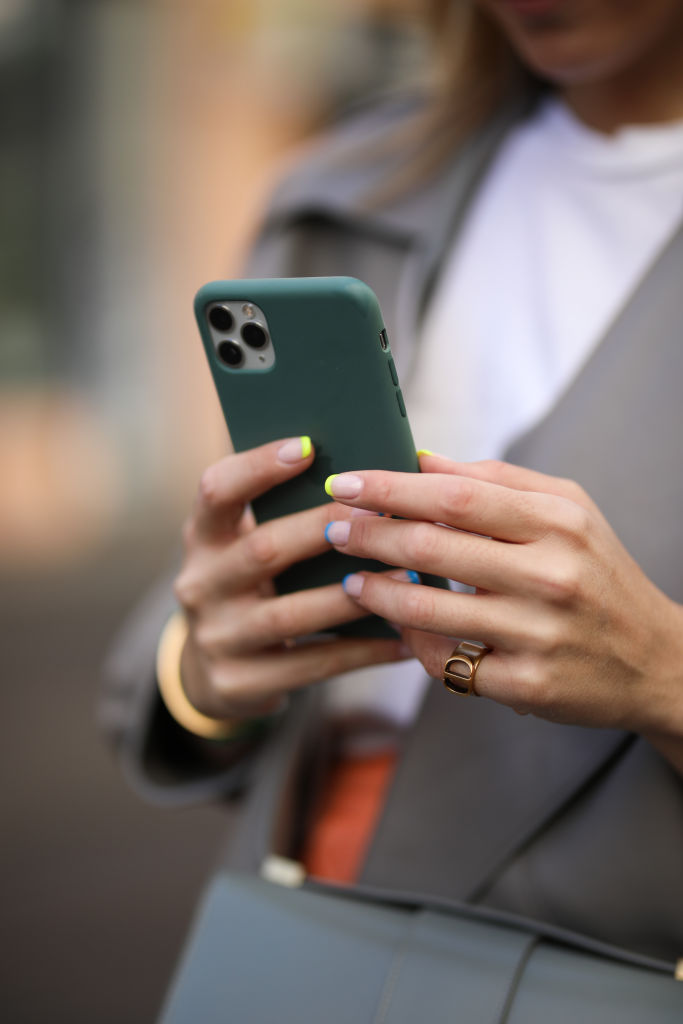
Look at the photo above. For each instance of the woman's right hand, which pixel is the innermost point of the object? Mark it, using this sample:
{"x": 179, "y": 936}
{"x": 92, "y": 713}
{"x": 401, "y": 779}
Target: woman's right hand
{"x": 240, "y": 658}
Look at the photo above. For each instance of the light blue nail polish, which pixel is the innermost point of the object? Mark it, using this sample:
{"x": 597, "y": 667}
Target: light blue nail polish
{"x": 353, "y": 584}
{"x": 326, "y": 529}
{"x": 412, "y": 576}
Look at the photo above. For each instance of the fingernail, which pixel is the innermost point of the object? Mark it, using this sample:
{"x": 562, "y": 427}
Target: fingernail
{"x": 353, "y": 584}
{"x": 295, "y": 450}
{"x": 337, "y": 532}
{"x": 405, "y": 576}
{"x": 424, "y": 451}
{"x": 343, "y": 485}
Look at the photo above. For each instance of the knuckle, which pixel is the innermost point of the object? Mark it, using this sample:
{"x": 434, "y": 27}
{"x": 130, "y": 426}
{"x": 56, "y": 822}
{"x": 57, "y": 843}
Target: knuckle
{"x": 575, "y": 491}
{"x": 187, "y": 590}
{"x": 260, "y": 546}
{"x": 230, "y": 684}
{"x": 281, "y": 619}
{"x": 458, "y": 497}
{"x": 545, "y": 636}
{"x": 419, "y": 607}
{"x": 559, "y": 581}
{"x": 206, "y": 641}
{"x": 494, "y": 467}
{"x": 422, "y": 542}
{"x": 383, "y": 489}
{"x": 207, "y": 490}
{"x": 363, "y": 535}
{"x": 359, "y": 532}
{"x": 574, "y": 522}
{"x": 532, "y": 684}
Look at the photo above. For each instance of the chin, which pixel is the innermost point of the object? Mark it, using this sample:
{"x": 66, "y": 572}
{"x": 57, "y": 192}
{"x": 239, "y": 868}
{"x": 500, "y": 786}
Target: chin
{"x": 571, "y": 42}
{"x": 568, "y": 65}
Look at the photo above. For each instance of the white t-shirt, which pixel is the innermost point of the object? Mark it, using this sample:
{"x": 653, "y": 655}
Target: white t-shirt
{"x": 562, "y": 230}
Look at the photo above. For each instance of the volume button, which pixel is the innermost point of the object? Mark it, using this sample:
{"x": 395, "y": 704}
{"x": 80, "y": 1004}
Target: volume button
{"x": 392, "y": 371}
{"x": 401, "y": 403}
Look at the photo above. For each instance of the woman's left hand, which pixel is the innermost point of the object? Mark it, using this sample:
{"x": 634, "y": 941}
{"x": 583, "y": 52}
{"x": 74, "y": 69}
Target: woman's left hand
{"x": 578, "y": 633}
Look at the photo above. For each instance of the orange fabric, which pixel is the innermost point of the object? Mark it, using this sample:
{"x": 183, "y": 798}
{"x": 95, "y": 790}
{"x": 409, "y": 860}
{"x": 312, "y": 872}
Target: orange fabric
{"x": 351, "y": 802}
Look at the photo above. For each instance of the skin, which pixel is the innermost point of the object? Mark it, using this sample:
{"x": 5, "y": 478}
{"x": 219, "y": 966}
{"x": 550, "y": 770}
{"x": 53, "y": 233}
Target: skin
{"x": 615, "y": 61}
{"x": 579, "y": 634}
{"x": 239, "y": 659}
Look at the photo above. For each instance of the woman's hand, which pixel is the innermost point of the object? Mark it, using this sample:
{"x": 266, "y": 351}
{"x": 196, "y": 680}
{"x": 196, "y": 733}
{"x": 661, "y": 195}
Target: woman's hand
{"x": 240, "y": 657}
{"x": 578, "y": 633}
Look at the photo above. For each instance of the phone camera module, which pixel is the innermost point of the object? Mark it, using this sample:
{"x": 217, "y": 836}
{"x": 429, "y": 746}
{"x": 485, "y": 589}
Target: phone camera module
{"x": 230, "y": 353}
{"x": 221, "y": 319}
{"x": 254, "y": 336}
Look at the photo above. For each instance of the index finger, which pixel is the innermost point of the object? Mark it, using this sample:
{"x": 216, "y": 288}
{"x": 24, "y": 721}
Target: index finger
{"x": 476, "y": 506}
{"x": 227, "y": 486}
{"x": 507, "y": 474}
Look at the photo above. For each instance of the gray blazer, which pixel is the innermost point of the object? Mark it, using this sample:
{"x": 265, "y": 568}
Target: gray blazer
{"x": 582, "y": 827}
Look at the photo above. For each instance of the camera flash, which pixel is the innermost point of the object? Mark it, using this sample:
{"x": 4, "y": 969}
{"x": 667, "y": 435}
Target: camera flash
{"x": 248, "y": 309}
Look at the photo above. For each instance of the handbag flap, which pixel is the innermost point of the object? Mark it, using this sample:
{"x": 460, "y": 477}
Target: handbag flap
{"x": 259, "y": 952}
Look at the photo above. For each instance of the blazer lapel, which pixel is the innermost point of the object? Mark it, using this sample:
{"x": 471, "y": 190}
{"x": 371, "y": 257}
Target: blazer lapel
{"x": 476, "y": 782}
{"x": 618, "y": 428}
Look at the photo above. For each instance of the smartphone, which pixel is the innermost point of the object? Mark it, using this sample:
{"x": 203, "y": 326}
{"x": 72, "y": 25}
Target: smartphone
{"x": 295, "y": 356}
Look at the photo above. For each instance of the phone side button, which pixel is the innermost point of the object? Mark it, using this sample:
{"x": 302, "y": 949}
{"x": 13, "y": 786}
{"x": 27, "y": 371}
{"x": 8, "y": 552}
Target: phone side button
{"x": 392, "y": 371}
{"x": 401, "y": 403}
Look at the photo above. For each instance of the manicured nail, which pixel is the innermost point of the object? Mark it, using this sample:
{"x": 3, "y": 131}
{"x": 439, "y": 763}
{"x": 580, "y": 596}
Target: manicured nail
{"x": 343, "y": 485}
{"x": 337, "y": 532}
{"x": 424, "y": 451}
{"x": 295, "y": 450}
{"x": 353, "y": 584}
{"x": 405, "y": 576}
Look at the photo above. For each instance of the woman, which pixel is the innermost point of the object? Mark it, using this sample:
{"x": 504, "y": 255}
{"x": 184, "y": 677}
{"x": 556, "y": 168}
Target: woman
{"x": 534, "y": 245}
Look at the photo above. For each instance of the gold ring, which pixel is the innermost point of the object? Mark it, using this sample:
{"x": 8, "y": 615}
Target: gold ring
{"x": 461, "y": 668}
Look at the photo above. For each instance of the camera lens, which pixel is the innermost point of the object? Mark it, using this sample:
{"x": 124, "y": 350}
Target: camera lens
{"x": 254, "y": 335}
{"x": 230, "y": 352}
{"x": 221, "y": 318}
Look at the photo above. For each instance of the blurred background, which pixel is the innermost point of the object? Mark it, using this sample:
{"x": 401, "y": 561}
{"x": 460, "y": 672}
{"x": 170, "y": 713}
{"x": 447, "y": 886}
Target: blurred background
{"x": 138, "y": 142}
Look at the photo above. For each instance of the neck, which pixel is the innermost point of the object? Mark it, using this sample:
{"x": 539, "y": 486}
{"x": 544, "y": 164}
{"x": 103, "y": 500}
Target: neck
{"x": 650, "y": 92}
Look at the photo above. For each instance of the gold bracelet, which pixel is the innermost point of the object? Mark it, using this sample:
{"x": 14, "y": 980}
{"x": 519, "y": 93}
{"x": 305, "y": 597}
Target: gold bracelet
{"x": 170, "y": 683}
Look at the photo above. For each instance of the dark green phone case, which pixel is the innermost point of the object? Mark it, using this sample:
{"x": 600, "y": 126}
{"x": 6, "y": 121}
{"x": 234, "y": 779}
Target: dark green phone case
{"x": 334, "y": 379}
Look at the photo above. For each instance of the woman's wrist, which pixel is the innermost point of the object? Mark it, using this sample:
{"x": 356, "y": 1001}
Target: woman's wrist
{"x": 170, "y": 684}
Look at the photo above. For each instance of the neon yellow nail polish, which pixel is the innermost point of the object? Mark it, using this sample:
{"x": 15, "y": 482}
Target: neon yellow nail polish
{"x": 424, "y": 451}
{"x": 328, "y": 484}
{"x": 306, "y": 446}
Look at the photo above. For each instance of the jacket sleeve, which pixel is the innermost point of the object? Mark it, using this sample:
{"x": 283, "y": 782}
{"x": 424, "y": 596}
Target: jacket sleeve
{"x": 163, "y": 762}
